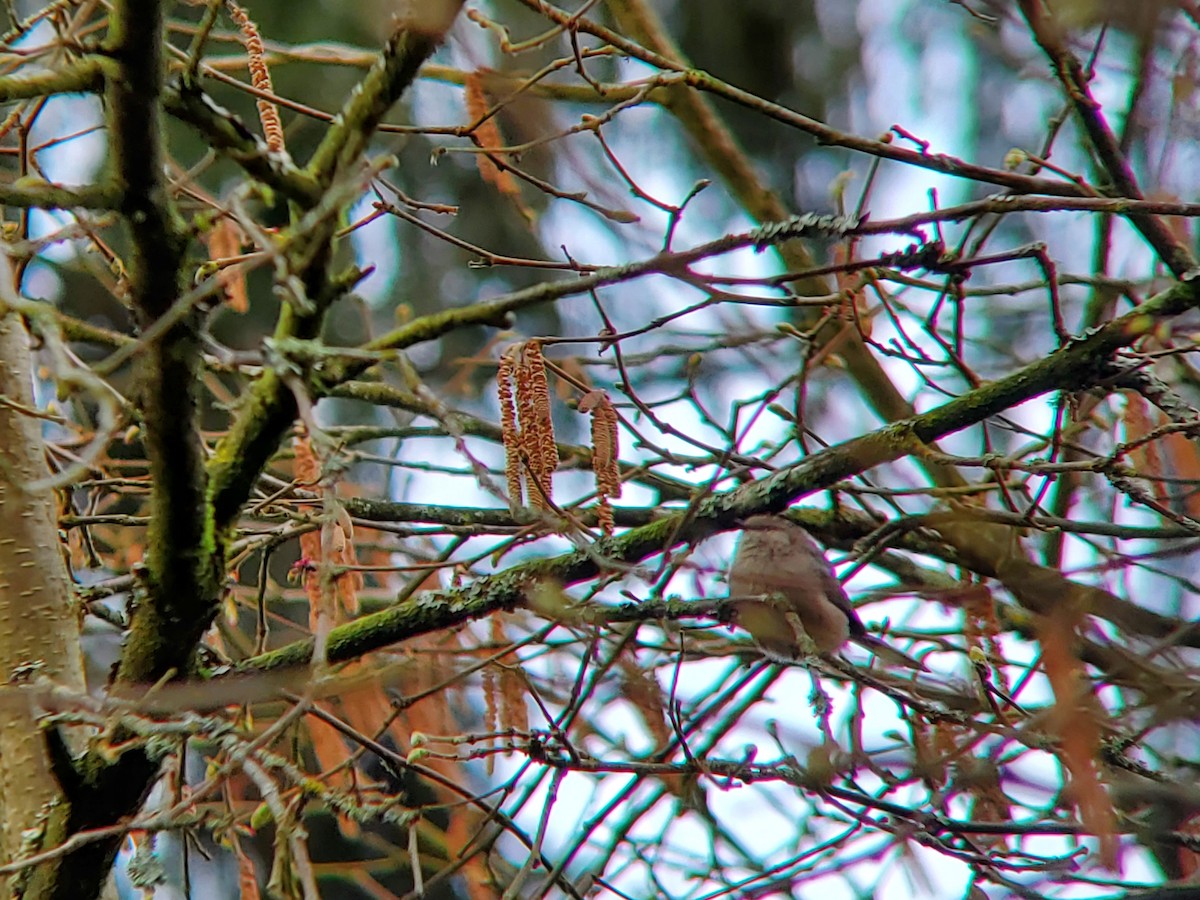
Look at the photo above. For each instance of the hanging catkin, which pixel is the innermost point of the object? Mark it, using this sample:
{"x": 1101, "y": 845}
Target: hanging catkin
{"x": 260, "y": 76}
{"x": 605, "y": 452}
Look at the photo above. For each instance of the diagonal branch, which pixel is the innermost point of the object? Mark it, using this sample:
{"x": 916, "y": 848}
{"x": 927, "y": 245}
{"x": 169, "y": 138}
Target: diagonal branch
{"x": 1075, "y": 366}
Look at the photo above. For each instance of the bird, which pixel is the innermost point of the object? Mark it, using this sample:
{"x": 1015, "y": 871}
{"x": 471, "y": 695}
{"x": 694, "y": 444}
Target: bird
{"x": 782, "y": 588}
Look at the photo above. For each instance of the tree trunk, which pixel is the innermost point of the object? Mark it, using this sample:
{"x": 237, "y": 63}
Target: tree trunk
{"x": 38, "y": 625}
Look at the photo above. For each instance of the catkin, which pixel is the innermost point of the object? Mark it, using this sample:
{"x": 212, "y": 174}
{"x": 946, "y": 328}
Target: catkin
{"x": 260, "y": 76}
{"x": 537, "y": 441}
{"x": 487, "y": 134}
{"x": 526, "y": 426}
{"x": 508, "y": 428}
{"x": 604, "y": 461}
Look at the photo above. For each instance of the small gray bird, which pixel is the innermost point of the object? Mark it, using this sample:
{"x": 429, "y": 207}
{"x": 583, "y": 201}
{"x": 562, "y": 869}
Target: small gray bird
{"x": 781, "y": 582}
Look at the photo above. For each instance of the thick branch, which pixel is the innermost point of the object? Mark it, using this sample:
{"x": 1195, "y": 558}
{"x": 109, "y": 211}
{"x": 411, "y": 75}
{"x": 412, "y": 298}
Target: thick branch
{"x": 183, "y": 569}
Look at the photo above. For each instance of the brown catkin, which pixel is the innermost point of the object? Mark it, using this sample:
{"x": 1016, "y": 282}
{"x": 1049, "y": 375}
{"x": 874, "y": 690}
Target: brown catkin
{"x": 537, "y": 427}
{"x": 639, "y": 687}
{"x": 224, "y": 244}
{"x": 487, "y": 134}
{"x": 604, "y": 460}
{"x": 260, "y": 76}
{"x": 526, "y": 448}
{"x": 508, "y": 428}
{"x": 307, "y": 469}
{"x": 547, "y": 446}
{"x": 514, "y": 711}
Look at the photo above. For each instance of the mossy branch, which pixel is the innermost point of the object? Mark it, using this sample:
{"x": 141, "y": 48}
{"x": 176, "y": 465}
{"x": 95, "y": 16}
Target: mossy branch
{"x": 83, "y": 76}
{"x": 184, "y": 566}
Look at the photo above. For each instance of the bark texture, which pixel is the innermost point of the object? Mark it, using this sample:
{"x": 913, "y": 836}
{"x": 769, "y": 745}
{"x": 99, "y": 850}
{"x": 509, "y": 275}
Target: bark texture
{"x": 38, "y": 626}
